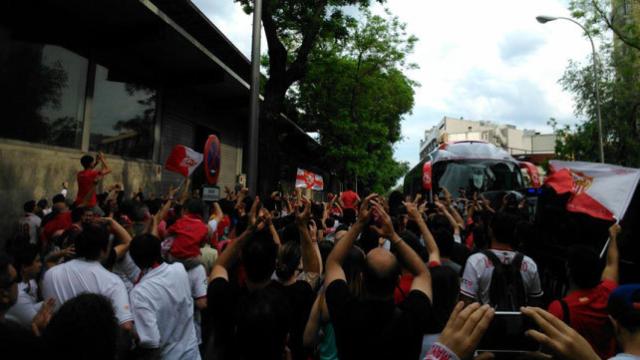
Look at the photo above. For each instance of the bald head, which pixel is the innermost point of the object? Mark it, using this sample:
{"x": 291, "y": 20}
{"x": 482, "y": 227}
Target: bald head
{"x": 381, "y": 273}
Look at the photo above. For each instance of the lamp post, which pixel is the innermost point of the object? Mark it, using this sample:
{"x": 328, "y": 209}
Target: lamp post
{"x": 252, "y": 173}
{"x": 545, "y": 19}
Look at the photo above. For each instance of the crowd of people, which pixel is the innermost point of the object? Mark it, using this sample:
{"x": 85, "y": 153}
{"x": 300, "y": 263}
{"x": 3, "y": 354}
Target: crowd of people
{"x": 116, "y": 276}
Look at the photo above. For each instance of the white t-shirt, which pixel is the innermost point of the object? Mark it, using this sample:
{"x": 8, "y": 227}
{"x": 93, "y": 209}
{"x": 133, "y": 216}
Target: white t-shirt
{"x": 476, "y": 279}
{"x": 29, "y": 225}
{"x": 163, "y": 312}
{"x": 198, "y": 283}
{"x": 68, "y": 280}
{"x": 27, "y": 305}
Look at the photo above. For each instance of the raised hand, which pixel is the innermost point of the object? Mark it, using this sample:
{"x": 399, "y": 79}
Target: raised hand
{"x": 303, "y": 216}
{"x": 365, "y": 211}
{"x": 412, "y": 210}
{"x": 386, "y": 227}
{"x": 253, "y": 213}
{"x": 465, "y": 328}
{"x": 558, "y": 336}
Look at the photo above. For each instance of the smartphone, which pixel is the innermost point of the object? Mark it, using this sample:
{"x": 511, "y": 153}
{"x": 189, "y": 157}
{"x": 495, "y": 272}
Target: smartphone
{"x": 506, "y": 335}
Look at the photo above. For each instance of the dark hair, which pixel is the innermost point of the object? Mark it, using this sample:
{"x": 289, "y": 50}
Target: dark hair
{"x": 290, "y": 233}
{"x": 413, "y": 241}
{"x": 24, "y": 255}
{"x": 259, "y": 257}
{"x": 503, "y": 227}
{"x": 585, "y": 267}
{"x": 444, "y": 240}
{"x": 42, "y": 203}
{"x": 91, "y": 241}
{"x": 264, "y": 322}
{"x": 330, "y": 222}
{"x": 86, "y": 161}
{"x": 194, "y": 206}
{"x": 381, "y": 283}
{"x": 326, "y": 247}
{"x": 438, "y": 221}
{"x": 622, "y": 306}
{"x": 29, "y": 206}
{"x": 85, "y": 327}
{"x": 288, "y": 260}
{"x": 349, "y": 216}
{"x": 446, "y": 286}
{"x": 353, "y": 267}
{"x": 78, "y": 212}
{"x": 58, "y": 199}
{"x": 145, "y": 250}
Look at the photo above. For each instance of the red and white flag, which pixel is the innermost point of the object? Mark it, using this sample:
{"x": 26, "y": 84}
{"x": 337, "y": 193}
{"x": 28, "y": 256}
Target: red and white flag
{"x": 183, "y": 160}
{"x": 599, "y": 190}
{"x": 308, "y": 180}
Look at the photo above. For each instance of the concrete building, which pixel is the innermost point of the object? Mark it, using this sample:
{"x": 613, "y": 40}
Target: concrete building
{"x": 131, "y": 78}
{"x": 518, "y": 142}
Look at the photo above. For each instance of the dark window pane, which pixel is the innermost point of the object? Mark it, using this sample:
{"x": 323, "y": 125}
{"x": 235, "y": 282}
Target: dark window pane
{"x": 123, "y": 117}
{"x": 42, "y": 90}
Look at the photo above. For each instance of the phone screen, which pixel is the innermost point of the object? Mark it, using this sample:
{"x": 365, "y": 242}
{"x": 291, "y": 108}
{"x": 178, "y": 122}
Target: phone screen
{"x": 507, "y": 334}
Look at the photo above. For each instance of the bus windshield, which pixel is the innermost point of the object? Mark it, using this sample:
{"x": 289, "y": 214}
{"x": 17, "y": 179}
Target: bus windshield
{"x": 478, "y": 175}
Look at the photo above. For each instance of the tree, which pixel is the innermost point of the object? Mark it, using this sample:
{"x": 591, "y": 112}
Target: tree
{"x": 292, "y": 29}
{"x": 617, "y": 79}
{"x": 356, "y": 94}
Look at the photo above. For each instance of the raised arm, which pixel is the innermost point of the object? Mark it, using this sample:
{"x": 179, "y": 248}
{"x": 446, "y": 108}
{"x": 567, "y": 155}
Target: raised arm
{"x": 430, "y": 242}
{"x": 310, "y": 261}
{"x": 104, "y": 168}
{"x": 334, "y": 262}
{"x": 611, "y": 270}
{"x": 421, "y": 276}
{"x": 122, "y": 234}
{"x": 230, "y": 255}
{"x": 454, "y": 224}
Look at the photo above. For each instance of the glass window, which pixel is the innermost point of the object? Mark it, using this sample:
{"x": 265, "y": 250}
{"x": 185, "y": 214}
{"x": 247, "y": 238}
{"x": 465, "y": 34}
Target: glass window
{"x": 122, "y": 117}
{"x": 42, "y": 90}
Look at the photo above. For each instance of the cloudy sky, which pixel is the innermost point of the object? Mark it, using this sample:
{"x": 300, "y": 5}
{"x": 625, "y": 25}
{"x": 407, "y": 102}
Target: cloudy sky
{"x": 481, "y": 60}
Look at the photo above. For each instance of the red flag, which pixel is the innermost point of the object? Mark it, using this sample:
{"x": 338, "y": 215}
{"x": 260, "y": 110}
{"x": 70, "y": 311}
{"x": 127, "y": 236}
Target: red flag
{"x": 599, "y": 190}
{"x": 183, "y": 160}
{"x": 308, "y": 180}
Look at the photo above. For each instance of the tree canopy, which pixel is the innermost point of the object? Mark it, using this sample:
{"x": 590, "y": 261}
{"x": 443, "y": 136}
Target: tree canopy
{"x": 617, "y": 79}
{"x": 356, "y": 94}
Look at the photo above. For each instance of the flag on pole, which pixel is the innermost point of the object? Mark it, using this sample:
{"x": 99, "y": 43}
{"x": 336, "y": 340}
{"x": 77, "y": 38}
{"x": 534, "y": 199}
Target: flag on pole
{"x": 599, "y": 190}
{"x": 308, "y": 180}
{"x": 183, "y": 160}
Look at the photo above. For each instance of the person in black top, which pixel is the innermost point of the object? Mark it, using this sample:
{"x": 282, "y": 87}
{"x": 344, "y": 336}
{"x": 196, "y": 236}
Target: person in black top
{"x": 256, "y": 320}
{"x": 372, "y": 327}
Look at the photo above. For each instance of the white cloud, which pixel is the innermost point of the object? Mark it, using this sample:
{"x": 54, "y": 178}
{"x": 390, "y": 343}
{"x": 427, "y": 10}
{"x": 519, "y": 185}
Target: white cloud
{"x": 478, "y": 59}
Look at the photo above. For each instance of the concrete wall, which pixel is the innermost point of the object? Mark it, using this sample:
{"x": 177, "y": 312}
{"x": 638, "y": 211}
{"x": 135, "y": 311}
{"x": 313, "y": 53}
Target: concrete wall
{"x": 32, "y": 172}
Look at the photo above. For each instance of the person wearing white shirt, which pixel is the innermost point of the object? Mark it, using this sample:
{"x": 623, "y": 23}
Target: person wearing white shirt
{"x": 162, "y": 304}
{"x": 29, "y": 223}
{"x": 199, "y": 284}
{"x": 87, "y": 275}
{"x": 27, "y": 263}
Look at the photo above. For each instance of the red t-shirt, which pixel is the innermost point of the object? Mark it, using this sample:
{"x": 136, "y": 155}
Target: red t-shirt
{"x": 189, "y": 232}
{"x": 62, "y": 221}
{"x": 588, "y": 316}
{"x": 86, "y": 180}
{"x": 349, "y": 199}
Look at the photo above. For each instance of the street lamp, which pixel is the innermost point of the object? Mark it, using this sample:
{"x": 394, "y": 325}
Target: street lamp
{"x": 542, "y": 19}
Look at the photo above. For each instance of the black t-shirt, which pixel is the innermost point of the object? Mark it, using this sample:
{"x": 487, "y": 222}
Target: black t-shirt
{"x": 301, "y": 298}
{"x": 227, "y": 304}
{"x": 375, "y": 329}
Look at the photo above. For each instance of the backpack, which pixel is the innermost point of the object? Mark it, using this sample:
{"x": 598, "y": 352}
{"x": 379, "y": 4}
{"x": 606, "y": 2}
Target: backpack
{"x": 506, "y": 292}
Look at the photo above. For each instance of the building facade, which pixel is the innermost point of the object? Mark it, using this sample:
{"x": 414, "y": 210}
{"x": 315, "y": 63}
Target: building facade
{"x": 517, "y": 142}
{"x": 130, "y": 78}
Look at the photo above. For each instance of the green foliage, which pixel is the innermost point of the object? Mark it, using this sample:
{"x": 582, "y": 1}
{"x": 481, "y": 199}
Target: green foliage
{"x": 355, "y": 95}
{"x": 617, "y": 79}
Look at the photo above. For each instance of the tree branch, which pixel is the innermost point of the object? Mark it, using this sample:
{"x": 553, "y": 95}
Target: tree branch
{"x": 299, "y": 66}
{"x": 626, "y": 40}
